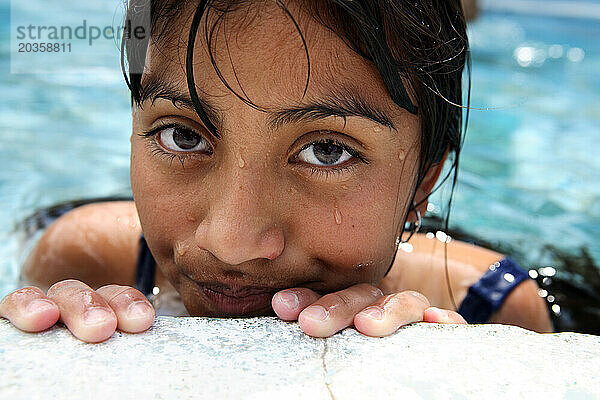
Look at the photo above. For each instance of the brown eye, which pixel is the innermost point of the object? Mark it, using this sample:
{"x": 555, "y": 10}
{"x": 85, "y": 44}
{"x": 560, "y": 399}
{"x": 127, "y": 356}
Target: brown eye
{"x": 183, "y": 140}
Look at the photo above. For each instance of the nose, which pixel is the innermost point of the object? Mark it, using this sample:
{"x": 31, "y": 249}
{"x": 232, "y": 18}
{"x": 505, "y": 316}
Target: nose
{"x": 240, "y": 225}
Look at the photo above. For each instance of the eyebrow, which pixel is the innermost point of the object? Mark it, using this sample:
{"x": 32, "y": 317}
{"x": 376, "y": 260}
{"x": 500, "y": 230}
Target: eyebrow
{"x": 340, "y": 103}
{"x": 155, "y": 88}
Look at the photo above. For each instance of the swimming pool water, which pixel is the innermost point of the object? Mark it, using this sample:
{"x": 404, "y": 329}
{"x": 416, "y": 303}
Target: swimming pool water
{"x": 530, "y": 171}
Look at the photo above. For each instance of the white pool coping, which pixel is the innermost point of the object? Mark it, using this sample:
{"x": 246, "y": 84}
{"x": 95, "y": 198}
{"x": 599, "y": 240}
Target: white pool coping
{"x": 264, "y": 358}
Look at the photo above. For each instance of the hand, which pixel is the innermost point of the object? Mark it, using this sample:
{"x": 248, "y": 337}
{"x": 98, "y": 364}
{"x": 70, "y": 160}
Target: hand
{"x": 91, "y": 316}
{"x": 363, "y": 306}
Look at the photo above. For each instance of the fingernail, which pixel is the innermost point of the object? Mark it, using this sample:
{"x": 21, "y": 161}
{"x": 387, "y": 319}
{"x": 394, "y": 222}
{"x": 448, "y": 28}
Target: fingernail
{"x": 419, "y": 296}
{"x": 39, "y": 305}
{"x": 373, "y": 313}
{"x": 439, "y": 313}
{"x": 288, "y": 299}
{"x": 138, "y": 309}
{"x": 95, "y": 316}
{"x": 316, "y": 313}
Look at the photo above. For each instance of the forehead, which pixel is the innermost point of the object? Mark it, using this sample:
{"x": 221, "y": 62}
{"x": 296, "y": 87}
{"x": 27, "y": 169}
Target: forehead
{"x": 267, "y": 54}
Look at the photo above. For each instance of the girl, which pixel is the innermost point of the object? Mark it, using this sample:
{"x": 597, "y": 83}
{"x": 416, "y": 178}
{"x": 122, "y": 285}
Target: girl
{"x": 281, "y": 153}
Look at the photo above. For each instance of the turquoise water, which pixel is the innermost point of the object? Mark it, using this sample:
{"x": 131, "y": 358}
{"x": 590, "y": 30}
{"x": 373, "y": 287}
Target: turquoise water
{"x": 530, "y": 171}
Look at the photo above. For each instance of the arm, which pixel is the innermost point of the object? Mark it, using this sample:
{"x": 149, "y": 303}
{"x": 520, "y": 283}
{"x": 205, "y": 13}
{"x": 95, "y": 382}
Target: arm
{"x": 525, "y": 308}
{"x": 96, "y": 244}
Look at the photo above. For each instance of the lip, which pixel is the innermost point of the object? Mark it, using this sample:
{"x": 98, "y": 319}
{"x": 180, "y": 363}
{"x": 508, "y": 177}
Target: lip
{"x": 237, "y": 300}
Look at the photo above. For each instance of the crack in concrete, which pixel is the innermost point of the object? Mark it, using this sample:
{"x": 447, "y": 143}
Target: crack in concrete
{"x": 325, "y": 371}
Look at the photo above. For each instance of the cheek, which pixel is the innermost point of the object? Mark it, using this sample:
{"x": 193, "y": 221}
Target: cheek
{"x": 160, "y": 206}
{"x": 354, "y": 228}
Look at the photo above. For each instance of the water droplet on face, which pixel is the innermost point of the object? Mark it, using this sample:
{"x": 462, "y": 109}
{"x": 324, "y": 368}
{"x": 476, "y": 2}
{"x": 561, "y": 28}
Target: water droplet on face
{"x": 363, "y": 265}
{"x": 180, "y": 248}
{"x": 401, "y": 156}
{"x": 337, "y": 215}
{"x": 241, "y": 162}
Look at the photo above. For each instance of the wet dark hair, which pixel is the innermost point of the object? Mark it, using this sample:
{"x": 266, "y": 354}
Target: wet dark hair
{"x": 422, "y": 41}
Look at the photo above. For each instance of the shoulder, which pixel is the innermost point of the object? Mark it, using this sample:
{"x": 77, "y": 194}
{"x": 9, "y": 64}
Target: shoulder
{"x": 431, "y": 261}
{"x": 424, "y": 270}
{"x": 95, "y": 243}
{"x": 525, "y": 308}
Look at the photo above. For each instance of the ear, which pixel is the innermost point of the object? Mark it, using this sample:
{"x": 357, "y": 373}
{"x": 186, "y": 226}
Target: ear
{"x": 426, "y": 187}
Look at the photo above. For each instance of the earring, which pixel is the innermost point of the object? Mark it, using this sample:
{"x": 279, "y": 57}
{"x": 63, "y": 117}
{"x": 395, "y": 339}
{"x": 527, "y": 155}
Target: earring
{"x": 411, "y": 228}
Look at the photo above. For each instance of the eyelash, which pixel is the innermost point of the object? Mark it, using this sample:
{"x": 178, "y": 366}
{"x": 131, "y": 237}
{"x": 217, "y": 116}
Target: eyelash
{"x": 318, "y": 171}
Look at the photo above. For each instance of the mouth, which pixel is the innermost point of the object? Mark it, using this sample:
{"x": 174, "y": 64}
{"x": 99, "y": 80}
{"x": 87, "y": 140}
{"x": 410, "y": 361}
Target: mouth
{"x": 238, "y": 300}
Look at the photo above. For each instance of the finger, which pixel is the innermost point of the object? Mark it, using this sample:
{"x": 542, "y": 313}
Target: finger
{"x": 134, "y": 312}
{"x": 288, "y": 303}
{"x": 85, "y": 313}
{"x": 387, "y": 314}
{"x": 440, "y": 316}
{"x": 29, "y": 309}
{"x": 335, "y": 311}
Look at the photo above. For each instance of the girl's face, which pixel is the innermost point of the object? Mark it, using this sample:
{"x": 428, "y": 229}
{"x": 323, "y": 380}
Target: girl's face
{"x": 292, "y": 195}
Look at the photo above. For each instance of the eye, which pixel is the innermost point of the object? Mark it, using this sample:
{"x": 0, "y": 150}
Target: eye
{"x": 325, "y": 152}
{"x": 177, "y": 138}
